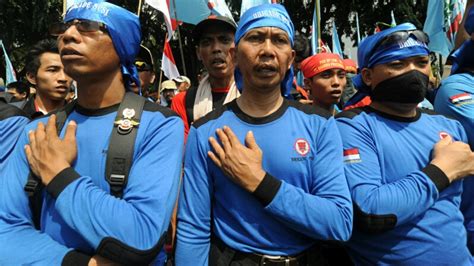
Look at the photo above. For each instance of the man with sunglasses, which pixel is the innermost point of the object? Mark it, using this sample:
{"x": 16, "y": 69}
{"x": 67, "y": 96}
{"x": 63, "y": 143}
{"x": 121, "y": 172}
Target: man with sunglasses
{"x": 404, "y": 166}
{"x": 144, "y": 64}
{"x": 82, "y": 219}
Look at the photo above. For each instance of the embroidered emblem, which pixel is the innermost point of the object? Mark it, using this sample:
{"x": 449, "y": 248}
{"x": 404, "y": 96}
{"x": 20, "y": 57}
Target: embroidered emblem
{"x": 302, "y": 147}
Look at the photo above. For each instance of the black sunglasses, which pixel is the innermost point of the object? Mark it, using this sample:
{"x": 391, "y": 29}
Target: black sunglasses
{"x": 82, "y": 25}
{"x": 401, "y": 37}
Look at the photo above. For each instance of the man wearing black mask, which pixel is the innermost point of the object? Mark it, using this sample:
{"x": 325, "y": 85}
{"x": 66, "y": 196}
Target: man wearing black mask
{"x": 404, "y": 166}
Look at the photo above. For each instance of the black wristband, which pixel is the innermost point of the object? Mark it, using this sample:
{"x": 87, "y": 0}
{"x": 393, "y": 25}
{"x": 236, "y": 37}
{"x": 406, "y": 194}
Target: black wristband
{"x": 267, "y": 189}
{"x": 436, "y": 175}
{"x": 76, "y": 258}
{"x": 61, "y": 180}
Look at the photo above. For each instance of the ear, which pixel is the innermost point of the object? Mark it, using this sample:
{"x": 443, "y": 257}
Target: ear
{"x": 198, "y": 54}
{"x": 31, "y": 78}
{"x": 292, "y": 59}
{"x": 307, "y": 84}
{"x": 233, "y": 52}
{"x": 367, "y": 76}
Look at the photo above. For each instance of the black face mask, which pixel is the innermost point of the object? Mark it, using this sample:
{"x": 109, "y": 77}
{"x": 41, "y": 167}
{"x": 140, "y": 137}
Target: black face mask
{"x": 409, "y": 87}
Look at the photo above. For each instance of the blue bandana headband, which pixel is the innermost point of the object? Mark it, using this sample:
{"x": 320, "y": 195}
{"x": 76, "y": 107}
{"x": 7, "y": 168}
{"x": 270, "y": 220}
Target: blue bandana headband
{"x": 369, "y": 55}
{"x": 266, "y": 15}
{"x": 123, "y": 27}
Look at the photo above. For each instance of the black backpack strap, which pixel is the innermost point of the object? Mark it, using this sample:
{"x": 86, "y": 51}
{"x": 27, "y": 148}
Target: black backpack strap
{"x": 122, "y": 141}
{"x": 34, "y": 187}
{"x": 189, "y": 104}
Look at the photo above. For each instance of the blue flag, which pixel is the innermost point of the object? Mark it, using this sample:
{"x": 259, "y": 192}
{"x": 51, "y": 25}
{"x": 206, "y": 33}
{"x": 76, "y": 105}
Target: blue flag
{"x": 442, "y": 23}
{"x": 10, "y": 71}
{"x": 246, "y": 4}
{"x": 336, "y": 45}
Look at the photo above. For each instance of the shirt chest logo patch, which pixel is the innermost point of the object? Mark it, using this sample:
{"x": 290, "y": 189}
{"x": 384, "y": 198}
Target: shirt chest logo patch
{"x": 443, "y": 134}
{"x": 352, "y": 155}
{"x": 302, "y": 147}
{"x": 461, "y": 99}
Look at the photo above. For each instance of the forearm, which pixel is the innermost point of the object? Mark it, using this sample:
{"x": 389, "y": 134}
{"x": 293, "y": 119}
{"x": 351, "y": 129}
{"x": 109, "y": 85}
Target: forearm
{"x": 326, "y": 217}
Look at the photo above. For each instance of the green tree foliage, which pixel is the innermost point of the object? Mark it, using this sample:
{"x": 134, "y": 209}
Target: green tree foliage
{"x": 24, "y": 22}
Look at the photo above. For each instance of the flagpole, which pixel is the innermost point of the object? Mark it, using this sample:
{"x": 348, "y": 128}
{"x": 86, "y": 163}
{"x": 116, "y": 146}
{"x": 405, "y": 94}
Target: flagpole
{"x": 318, "y": 14}
{"x": 179, "y": 39}
{"x": 139, "y": 8}
{"x": 64, "y": 7}
{"x": 358, "y": 30}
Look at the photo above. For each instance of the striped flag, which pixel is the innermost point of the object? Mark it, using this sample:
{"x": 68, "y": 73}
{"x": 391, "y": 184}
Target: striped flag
{"x": 168, "y": 65}
{"x": 336, "y": 45}
{"x": 352, "y": 155}
{"x": 10, "y": 71}
{"x": 460, "y": 99}
{"x": 442, "y": 23}
{"x": 316, "y": 34}
{"x": 246, "y": 4}
{"x": 163, "y": 7}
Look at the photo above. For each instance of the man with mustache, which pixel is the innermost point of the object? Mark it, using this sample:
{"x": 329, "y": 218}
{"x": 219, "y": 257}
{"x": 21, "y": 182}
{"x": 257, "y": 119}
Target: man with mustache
{"x": 213, "y": 37}
{"x": 263, "y": 176}
{"x": 325, "y": 77}
{"x": 404, "y": 165}
{"x": 45, "y": 72}
{"x": 87, "y": 214}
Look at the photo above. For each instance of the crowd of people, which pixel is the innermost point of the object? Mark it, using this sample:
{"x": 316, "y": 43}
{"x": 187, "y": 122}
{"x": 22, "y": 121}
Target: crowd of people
{"x": 275, "y": 157}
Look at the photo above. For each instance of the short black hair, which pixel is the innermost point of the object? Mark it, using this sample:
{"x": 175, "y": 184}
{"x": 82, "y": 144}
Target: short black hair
{"x": 20, "y": 87}
{"x": 33, "y": 56}
{"x": 301, "y": 47}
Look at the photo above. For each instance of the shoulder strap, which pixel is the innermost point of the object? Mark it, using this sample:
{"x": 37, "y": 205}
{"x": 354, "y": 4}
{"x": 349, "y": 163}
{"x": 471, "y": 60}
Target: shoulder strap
{"x": 122, "y": 142}
{"x": 33, "y": 187}
{"x": 189, "y": 103}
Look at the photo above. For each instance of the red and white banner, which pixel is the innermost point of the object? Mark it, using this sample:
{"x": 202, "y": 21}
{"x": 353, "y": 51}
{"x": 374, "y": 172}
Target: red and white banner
{"x": 168, "y": 65}
{"x": 163, "y": 7}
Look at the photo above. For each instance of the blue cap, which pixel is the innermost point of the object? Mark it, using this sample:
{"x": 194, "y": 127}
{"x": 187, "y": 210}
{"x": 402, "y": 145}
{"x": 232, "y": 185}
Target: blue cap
{"x": 123, "y": 27}
{"x": 266, "y": 15}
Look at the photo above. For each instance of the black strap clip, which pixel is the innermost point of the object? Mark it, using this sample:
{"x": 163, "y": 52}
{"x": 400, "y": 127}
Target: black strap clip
{"x": 31, "y": 187}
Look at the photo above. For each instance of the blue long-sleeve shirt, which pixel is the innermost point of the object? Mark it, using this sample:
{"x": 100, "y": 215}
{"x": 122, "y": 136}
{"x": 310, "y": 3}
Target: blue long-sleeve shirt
{"x": 79, "y": 212}
{"x": 12, "y": 121}
{"x": 455, "y": 99}
{"x": 303, "y": 198}
{"x": 386, "y": 163}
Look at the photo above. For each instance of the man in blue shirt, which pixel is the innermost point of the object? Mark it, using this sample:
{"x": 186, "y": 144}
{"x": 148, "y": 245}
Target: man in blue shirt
{"x": 404, "y": 166}
{"x": 81, "y": 222}
{"x": 12, "y": 121}
{"x": 263, "y": 178}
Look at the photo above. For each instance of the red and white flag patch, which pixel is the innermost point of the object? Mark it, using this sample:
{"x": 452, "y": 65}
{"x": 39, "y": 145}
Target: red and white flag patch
{"x": 460, "y": 99}
{"x": 352, "y": 155}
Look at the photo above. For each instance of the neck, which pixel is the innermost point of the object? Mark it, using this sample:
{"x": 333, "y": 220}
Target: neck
{"x": 398, "y": 109}
{"x": 100, "y": 91}
{"x": 221, "y": 82}
{"x": 328, "y": 107}
{"x": 46, "y": 104}
{"x": 260, "y": 104}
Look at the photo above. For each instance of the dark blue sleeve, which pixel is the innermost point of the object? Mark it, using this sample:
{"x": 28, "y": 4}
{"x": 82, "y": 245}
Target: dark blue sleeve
{"x": 406, "y": 198}
{"x": 456, "y": 100}
{"x": 194, "y": 212}
{"x": 20, "y": 242}
{"x": 140, "y": 218}
{"x": 326, "y": 212}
